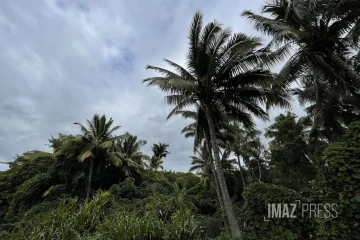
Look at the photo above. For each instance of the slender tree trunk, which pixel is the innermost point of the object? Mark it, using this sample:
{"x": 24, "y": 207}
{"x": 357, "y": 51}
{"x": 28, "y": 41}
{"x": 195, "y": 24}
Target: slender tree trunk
{"x": 259, "y": 169}
{"x": 241, "y": 172}
{"x": 218, "y": 192}
{"x": 217, "y": 188}
{"x": 216, "y": 181}
{"x": 234, "y": 226}
{"x": 221, "y": 203}
{"x": 89, "y": 180}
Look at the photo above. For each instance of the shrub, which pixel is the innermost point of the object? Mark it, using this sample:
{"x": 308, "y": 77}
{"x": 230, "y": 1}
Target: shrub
{"x": 67, "y": 221}
{"x": 29, "y": 191}
{"x": 182, "y": 226}
{"x": 128, "y": 226}
{"x": 93, "y": 221}
{"x": 257, "y": 196}
{"x": 339, "y": 183}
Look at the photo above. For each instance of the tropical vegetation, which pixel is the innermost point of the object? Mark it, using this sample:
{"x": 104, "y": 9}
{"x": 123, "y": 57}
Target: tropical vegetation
{"x": 99, "y": 183}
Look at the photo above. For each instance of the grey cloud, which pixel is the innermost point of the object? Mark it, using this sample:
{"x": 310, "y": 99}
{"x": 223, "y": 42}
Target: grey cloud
{"x": 63, "y": 61}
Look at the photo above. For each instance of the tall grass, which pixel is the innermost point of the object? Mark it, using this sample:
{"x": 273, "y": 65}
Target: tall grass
{"x": 93, "y": 221}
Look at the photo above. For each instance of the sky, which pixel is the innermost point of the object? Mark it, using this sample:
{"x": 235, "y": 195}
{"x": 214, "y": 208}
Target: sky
{"x": 62, "y": 61}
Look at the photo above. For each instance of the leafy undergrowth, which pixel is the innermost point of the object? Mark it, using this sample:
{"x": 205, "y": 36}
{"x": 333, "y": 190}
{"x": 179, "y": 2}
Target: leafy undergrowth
{"x": 102, "y": 219}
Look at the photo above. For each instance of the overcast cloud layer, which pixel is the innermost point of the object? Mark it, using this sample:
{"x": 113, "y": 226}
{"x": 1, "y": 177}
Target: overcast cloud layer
{"x": 64, "y": 60}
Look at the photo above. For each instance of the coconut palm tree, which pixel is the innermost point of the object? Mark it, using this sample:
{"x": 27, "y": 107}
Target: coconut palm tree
{"x": 202, "y": 162}
{"x": 199, "y": 129}
{"x": 128, "y": 148}
{"x": 323, "y": 34}
{"x": 154, "y": 163}
{"x": 93, "y": 141}
{"x": 159, "y": 150}
{"x": 329, "y": 109}
{"x": 244, "y": 143}
{"x": 222, "y": 69}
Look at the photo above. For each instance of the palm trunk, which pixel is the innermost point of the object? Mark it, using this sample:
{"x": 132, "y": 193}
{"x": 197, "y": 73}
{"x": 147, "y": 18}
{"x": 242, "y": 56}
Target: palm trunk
{"x": 241, "y": 172}
{"x": 217, "y": 188}
{"x": 259, "y": 170}
{"x": 89, "y": 180}
{"x": 216, "y": 181}
{"x": 221, "y": 204}
{"x": 234, "y": 226}
{"x": 218, "y": 192}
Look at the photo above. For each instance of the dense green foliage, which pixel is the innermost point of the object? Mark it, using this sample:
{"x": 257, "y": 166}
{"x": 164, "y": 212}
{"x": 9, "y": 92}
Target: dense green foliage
{"x": 290, "y": 153}
{"x": 259, "y": 225}
{"x": 97, "y": 184}
{"x": 38, "y": 204}
{"x": 339, "y": 182}
{"x": 98, "y": 220}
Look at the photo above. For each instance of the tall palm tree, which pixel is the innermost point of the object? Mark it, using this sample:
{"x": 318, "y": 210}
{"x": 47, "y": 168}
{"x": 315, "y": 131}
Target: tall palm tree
{"x": 222, "y": 69}
{"x": 94, "y": 140}
{"x": 128, "y": 147}
{"x": 159, "y": 150}
{"x": 323, "y": 34}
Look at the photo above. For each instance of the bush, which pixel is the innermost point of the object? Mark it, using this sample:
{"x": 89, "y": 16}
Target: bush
{"x": 28, "y": 192}
{"x": 257, "y": 196}
{"x": 67, "y": 221}
{"x": 339, "y": 183}
{"x": 4, "y": 235}
{"x": 211, "y": 226}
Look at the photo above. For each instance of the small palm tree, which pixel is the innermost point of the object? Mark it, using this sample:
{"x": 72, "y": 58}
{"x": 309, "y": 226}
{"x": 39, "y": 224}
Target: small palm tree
{"x": 179, "y": 197}
{"x": 202, "y": 163}
{"x": 199, "y": 129}
{"x": 160, "y": 150}
{"x": 154, "y": 163}
{"x": 95, "y": 140}
{"x": 244, "y": 144}
{"x": 128, "y": 148}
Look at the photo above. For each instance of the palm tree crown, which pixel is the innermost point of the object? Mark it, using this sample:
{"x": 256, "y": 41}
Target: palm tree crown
{"x": 323, "y": 33}
{"x": 159, "y": 150}
{"x": 128, "y": 147}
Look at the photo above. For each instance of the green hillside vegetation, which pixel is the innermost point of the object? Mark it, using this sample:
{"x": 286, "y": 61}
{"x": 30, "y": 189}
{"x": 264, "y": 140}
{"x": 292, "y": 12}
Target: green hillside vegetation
{"x": 98, "y": 184}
